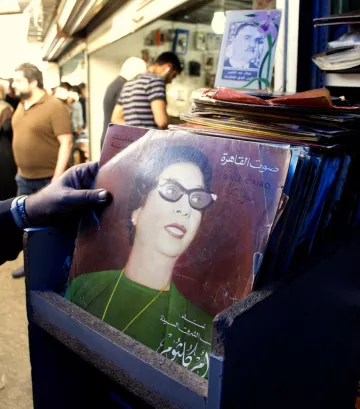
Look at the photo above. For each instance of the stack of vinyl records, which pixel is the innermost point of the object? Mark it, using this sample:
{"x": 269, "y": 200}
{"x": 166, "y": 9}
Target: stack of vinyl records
{"x": 307, "y": 118}
{"x": 320, "y": 202}
{"x": 243, "y": 194}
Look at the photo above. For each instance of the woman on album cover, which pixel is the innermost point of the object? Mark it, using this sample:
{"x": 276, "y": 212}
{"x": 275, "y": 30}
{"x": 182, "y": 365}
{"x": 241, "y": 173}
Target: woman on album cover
{"x": 170, "y": 195}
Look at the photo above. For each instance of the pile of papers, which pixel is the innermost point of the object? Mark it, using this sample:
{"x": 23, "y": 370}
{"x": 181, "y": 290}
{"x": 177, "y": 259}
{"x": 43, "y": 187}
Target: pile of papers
{"x": 343, "y": 54}
{"x": 321, "y": 191}
{"x": 307, "y": 118}
{"x": 340, "y": 59}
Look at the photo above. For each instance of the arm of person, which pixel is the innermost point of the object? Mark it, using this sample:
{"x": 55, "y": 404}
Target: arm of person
{"x": 6, "y": 130}
{"x": 117, "y": 116}
{"x": 77, "y": 118}
{"x": 12, "y": 243}
{"x": 54, "y": 205}
{"x": 64, "y": 155}
{"x": 161, "y": 117}
{"x": 156, "y": 91}
{"x": 61, "y": 125}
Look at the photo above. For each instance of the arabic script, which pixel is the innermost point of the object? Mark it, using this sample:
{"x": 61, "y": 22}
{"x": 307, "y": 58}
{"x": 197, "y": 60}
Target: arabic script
{"x": 246, "y": 161}
{"x": 186, "y": 346}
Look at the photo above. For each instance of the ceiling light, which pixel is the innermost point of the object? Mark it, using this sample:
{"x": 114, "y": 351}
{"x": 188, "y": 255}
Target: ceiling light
{"x": 218, "y": 22}
{"x": 68, "y": 7}
{"x": 9, "y": 7}
{"x": 56, "y": 48}
{"x": 49, "y": 39}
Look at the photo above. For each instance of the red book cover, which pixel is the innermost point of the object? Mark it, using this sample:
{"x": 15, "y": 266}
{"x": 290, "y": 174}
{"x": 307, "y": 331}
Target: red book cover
{"x": 182, "y": 239}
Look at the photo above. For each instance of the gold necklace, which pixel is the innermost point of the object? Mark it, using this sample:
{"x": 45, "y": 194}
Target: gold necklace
{"x": 143, "y": 310}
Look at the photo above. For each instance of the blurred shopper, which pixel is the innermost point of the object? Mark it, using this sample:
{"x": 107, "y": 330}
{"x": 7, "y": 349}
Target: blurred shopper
{"x": 11, "y": 97}
{"x": 131, "y": 68}
{"x": 82, "y": 100}
{"x": 77, "y": 119}
{"x": 142, "y": 100}
{"x": 7, "y": 163}
{"x": 42, "y": 140}
{"x": 62, "y": 93}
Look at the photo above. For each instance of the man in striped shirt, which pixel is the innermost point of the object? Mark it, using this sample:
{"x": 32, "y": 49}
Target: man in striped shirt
{"x": 142, "y": 101}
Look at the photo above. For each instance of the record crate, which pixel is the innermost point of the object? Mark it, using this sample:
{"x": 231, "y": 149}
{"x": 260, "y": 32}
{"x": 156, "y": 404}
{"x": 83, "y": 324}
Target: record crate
{"x": 294, "y": 345}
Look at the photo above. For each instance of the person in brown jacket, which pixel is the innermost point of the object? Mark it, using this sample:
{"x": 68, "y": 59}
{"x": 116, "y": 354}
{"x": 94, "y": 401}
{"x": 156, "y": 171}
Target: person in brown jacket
{"x": 42, "y": 138}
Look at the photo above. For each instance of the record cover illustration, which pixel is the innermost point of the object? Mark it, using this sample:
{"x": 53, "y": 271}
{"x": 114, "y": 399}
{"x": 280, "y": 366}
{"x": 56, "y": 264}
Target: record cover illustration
{"x": 182, "y": 239}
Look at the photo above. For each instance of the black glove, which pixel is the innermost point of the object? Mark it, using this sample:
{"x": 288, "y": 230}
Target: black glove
{"x": 64, "y": 200}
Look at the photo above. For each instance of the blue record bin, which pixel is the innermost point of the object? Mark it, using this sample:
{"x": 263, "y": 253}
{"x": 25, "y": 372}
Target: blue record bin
{"x": 294, "y": 345}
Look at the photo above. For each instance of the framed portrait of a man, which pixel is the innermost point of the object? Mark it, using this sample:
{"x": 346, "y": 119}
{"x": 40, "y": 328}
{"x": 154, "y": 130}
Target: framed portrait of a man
{"x": 248, "y": 49}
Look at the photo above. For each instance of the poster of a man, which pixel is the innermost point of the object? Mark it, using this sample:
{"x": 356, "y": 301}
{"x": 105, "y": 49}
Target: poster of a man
{"x": 246, "y": 47}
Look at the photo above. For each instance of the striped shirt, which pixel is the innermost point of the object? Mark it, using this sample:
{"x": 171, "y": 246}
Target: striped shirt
{"x": 136, "y": 97}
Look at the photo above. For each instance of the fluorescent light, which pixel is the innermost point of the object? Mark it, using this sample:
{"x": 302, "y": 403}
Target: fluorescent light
{"x": 50, "y": 37}
{"x": 60, "y": 42}
{"x": 9, "y": 7}
{"x": 65, "y": 13}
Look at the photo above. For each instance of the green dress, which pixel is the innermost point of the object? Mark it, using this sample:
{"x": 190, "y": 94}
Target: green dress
{"x": 165, "y": 322}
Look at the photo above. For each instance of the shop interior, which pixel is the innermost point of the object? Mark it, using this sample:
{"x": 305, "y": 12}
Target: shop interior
{"x": 74, "y": 70}
{"x": 194, "y": 33}
{"x": 265, "y": 252}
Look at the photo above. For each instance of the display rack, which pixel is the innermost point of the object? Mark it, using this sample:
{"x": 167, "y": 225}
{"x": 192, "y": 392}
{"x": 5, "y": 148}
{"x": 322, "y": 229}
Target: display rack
{"x": 285, "y": 346}
{"x": 321, "y": 35}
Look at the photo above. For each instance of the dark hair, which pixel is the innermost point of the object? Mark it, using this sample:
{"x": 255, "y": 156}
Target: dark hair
{"x": 65, "y": 85}
{"x": 149, "y": 170}
{"x": 76, "y": 89}
{"x": 242, "y": 26}
{"x": 169, "y": 58}
{"x": 82, "y": 86}
{"x": 31, "y": 73}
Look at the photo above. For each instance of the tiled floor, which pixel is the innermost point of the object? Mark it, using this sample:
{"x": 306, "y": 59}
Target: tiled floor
{"x": 15, "y": 380}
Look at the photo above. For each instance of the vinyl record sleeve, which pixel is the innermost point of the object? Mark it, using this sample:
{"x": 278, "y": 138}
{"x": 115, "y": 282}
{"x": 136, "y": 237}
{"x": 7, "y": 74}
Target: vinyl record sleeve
{"x": 182, "y": 239}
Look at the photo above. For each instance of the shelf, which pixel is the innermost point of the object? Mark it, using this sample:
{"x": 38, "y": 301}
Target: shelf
{"x": 342, "y": 80}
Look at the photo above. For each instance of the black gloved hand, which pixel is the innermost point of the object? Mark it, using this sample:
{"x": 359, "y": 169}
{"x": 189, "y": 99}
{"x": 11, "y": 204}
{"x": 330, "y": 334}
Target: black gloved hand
{"x": 65, "y": 199}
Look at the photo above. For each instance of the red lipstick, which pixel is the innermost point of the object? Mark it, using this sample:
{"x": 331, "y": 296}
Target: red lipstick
{"x": 176, "y": 230}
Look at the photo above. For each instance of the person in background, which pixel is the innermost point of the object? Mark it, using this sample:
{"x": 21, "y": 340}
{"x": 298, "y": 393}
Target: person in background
{"x": 142, "y": 100}
{"x": 62, "y": 93}
{"x": 131, "y": 68}
{"x": 83, "y": 99}
{"x": 11, "y": 97}
{"x": 42, "y": 139}
{"x": 77, "y": 119}
{"x": 7, "y": 163}
{"x": 55, "y": 205}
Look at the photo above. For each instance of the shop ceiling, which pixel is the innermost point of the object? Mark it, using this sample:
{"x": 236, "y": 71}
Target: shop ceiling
{"x": 42, "y": 13}
{"x": 85, "y": 15}
{"x": 203, "y": 11}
